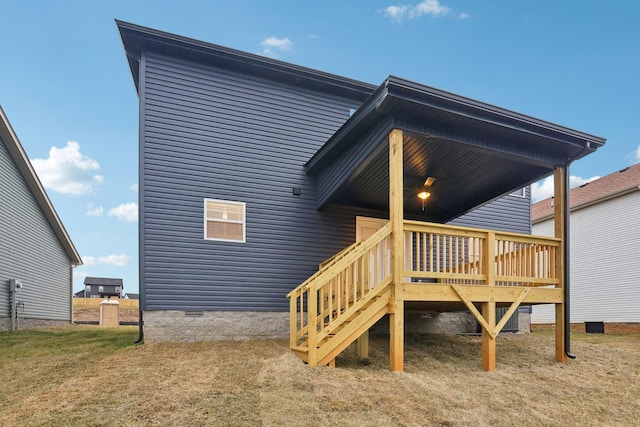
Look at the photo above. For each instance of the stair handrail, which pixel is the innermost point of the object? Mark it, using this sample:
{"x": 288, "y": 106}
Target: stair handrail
{"x": 350, "y": 254}
{"x": 298, "y": 329}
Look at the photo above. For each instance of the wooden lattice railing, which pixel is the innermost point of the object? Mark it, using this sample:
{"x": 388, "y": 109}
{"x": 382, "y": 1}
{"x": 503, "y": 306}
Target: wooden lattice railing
{"x": 460, "y": 255}
{"x": 345, "y": 284}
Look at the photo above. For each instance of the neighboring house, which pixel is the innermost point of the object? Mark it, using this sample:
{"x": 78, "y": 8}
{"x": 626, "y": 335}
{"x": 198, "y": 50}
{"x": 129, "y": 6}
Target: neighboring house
{"x": 254, "y": 171}
{"x": 37, "y": 255}
{"x": 605, "y": 254}
{"x": 130, "y": 295}
{"x": 101, "y": 287}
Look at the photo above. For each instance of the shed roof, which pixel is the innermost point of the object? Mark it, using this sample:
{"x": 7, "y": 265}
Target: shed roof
{"x": 614, "y": 185}
{"x": 476, "y": 151}
{"x": 26, "y": 168}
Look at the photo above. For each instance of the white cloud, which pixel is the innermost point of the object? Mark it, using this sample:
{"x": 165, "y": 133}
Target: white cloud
{"x": 68, "y": 171}
{"x": 638, "y": 154}
{"x": 396, "y": 13}
{"x": 431, "y": 8}
{"x": 93, "y": 210}
{"x": 428, "y": 7}
{"x": 542, "y": 189}
{"x": 272, "y": 45}
{"x": 134, "y": 188}
{"x": 127, "y": 212}
{"x": 116, "y": 260}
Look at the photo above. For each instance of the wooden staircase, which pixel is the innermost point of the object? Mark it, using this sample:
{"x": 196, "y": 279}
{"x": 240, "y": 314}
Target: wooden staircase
{"x": 347, "y": 296}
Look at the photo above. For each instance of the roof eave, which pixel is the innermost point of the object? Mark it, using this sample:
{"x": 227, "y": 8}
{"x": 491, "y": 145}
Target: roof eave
{"x": 137, "y": 38}
{"x": 482, "y": 111}
{"x": 580, "y": 143}
{"x": 370, "y": 106}
{"x": 38, "y": 191}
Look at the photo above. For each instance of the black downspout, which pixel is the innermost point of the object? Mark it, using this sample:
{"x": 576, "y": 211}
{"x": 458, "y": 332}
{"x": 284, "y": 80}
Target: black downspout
{"x": 140, "y": 329}
{"x": 565, "y": 237}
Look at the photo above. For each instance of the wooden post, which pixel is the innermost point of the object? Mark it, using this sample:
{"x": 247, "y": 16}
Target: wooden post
{"x": 365, "y": 286}
{"x": 396, "y": 218}
{"x": 312, "y": 325}
{"x": 559, "y": 214}
{"x": 363, "y": 346}
{"x": 488, "y": 341}
{"x": 293, "y": 319}
{"x": 489, "y": 307}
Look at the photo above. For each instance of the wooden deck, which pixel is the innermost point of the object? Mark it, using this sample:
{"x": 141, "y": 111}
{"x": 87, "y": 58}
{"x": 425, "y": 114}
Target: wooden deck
{"x": 445, "y": 268}
{"x": 430, "y": 265}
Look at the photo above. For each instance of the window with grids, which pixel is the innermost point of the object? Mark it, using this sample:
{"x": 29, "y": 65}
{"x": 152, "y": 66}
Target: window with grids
{"x": 224, "y": 220}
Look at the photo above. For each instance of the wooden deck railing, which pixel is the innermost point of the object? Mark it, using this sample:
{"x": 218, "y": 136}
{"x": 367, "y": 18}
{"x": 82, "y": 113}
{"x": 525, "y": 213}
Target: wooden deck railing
{"x": 342, "y": 285}
{"x": 351, "y": 290}
{"x": 460, "y": 255}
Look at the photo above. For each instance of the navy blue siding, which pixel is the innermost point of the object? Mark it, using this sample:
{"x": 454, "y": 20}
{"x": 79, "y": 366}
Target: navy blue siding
{"x": 211, "y": 133}
{"x": 508, "y": 213}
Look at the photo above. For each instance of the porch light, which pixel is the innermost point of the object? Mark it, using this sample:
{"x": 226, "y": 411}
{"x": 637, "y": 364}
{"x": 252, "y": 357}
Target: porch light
{"x": 423, "y": 194}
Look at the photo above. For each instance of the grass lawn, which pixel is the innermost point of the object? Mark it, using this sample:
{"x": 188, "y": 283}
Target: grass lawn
{"x": 92, "y": 376}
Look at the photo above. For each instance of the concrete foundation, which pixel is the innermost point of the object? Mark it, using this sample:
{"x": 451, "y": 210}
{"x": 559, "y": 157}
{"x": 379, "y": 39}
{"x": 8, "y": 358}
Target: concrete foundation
{"x": 5, "y": 323}
{"x": 169, "y": 325}
{"x": 524, "y": 323}
{"x": 432, "y": 323}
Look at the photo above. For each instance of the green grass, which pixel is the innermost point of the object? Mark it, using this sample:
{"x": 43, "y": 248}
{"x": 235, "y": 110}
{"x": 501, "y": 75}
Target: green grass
{"x": 92, "y": 376}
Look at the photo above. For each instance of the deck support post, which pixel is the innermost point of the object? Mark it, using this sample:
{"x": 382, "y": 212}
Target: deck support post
{"x": 489, "y": 307}
{"x": 559, "y": 208}
{"x": 396, "y": 218}
{"x": 363, "y": 346}
{"x": 489, "y": 339}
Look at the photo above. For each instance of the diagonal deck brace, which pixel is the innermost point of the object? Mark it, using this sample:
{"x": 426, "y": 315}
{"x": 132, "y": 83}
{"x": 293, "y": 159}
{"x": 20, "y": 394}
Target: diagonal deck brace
{"x": 493, "y": 331}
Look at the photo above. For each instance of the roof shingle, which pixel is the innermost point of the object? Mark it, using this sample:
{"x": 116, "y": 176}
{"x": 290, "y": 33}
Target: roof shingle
{"x": 607, "y": 187}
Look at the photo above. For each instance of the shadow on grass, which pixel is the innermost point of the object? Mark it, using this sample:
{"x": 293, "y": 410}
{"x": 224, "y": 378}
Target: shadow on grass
{"x": 419, "y": 350}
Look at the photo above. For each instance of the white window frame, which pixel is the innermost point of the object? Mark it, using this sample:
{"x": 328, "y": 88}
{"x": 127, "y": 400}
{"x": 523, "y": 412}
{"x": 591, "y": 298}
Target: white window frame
{"x": 519, "y": 193}
{"x": 243, "y": 222}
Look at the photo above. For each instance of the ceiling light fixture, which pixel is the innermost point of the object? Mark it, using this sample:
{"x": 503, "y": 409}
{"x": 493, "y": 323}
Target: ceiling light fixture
{"x": 423, "y": 194}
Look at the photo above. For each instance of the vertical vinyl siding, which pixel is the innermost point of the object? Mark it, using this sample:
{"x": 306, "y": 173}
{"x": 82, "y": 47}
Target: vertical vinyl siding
{"x": 30, "y": 250}
{"x": 605, "y": 267}
{"x": 211, "y": 133}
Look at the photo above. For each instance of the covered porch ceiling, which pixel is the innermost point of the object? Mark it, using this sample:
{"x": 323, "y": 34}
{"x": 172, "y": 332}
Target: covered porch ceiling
{"x": 475, "y": 151}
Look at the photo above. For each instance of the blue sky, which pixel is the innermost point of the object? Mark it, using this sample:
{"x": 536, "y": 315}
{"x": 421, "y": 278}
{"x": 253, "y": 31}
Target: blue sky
{"x": 66, "y": 87}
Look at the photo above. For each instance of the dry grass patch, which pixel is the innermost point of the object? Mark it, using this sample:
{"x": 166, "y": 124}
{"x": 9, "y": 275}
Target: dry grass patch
{"x": 80, "y": 376}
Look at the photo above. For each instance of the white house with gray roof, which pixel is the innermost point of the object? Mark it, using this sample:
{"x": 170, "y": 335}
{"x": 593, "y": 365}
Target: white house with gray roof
{"x": 604, "y": 250}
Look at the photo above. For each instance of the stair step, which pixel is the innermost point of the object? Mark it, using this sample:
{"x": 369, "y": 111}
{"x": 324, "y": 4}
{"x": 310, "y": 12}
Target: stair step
{"x": 300, "y": 348}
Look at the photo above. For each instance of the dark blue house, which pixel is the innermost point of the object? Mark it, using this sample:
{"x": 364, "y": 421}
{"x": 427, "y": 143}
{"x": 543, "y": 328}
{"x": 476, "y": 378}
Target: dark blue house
{"x": 254, "y": 171}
